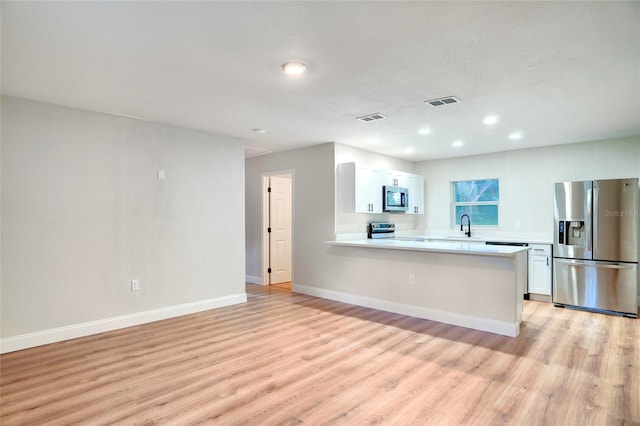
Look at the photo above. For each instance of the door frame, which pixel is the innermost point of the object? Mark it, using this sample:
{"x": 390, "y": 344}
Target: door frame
{"x": 265, "y": 221}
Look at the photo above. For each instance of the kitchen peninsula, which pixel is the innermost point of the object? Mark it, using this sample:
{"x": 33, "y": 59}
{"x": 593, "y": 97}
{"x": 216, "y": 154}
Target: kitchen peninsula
{"x": 459, "y": 283}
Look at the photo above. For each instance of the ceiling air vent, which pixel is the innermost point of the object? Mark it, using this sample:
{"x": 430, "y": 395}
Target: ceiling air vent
{"x": 443, "y": 101}
{"x": 371, "y": 117}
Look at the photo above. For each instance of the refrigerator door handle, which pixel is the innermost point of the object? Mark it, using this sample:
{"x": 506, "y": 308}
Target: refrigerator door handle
{"x": 595, "y": 265}
{"x": 592, "y": 199}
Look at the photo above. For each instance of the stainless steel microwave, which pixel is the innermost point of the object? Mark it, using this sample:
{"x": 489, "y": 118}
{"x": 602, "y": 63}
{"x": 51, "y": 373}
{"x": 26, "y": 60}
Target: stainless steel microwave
{"x": 395, "y": 199}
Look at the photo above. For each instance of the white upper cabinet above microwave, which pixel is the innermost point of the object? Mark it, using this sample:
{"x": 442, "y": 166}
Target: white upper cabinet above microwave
{"x": 395, "y": 178}
{"x": 359, "y": 188}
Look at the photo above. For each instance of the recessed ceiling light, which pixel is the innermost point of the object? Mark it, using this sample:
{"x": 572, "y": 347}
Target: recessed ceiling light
{"x": 514, "y": 136}
{"x": 425, "y": 131}
{"x": 490, "y": 120}
{"x": 457, "y": 144}
{"x": 257, "y": 130}
{"x": 294, "y": 68}
{"x": 409, "y": 150}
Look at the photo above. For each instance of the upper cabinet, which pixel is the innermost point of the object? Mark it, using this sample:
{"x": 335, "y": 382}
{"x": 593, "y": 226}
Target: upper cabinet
{"x": 360, "y": 188}
{"x": 415, "y": 184}
{"x": 395, "y": 178}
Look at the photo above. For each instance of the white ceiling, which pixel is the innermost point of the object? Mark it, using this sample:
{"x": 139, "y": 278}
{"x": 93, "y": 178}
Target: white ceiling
{"x": 561, "y": 72}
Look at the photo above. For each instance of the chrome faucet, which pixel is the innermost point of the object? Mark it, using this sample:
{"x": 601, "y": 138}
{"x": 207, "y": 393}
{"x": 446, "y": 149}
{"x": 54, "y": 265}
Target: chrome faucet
{"x": 468, "y": 233}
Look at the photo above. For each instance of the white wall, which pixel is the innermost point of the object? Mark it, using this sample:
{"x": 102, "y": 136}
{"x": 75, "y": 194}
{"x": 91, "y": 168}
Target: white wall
{"x": 526, "y": 179}
{"x": 83, "y": 213}
{"x": 313, "y": 208}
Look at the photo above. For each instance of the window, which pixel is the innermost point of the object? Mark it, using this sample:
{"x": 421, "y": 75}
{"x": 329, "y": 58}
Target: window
{"x": 477, "y": 198}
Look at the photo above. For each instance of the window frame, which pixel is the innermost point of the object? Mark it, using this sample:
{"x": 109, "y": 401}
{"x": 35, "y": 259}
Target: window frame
{"x": 456, "y": 220}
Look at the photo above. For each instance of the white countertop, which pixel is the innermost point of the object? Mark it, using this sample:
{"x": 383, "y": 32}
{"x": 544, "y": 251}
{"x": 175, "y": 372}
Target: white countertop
{"x": 498, "y": 238}
{"x": 455, "y": 247}
{"x": 446, "y": 237}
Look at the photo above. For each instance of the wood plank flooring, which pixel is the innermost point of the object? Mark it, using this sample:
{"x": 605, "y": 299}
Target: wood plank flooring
{"x": 284, "y": 358}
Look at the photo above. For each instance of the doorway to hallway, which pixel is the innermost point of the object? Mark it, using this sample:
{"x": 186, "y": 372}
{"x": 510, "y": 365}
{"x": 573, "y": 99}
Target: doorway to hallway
{"x": 277, "y": 225}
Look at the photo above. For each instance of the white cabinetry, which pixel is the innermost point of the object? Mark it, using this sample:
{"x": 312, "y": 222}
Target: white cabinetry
{"x": 395, "y": 178}
{"x": 415, "y": 184}
{"x": 540, "y": 270}
{"x": 360, "y": 188}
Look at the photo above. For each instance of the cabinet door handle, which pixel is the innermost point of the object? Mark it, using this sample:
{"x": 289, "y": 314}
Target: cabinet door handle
{"x": 547, "y": 261}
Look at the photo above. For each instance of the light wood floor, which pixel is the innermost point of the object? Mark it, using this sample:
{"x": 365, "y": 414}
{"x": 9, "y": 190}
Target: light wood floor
{"x": 286, "y": 358}
{"x": 285, "y": 285}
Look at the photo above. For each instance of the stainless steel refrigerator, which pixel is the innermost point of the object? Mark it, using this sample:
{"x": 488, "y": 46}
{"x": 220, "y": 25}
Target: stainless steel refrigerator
{"x": 595, "y": 250}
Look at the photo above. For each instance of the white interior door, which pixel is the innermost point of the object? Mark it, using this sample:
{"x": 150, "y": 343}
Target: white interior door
{"x": 280, "y": 224}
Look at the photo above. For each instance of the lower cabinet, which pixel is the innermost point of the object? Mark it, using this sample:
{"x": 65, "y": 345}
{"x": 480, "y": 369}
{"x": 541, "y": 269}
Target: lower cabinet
{"x": 540, "y": 271}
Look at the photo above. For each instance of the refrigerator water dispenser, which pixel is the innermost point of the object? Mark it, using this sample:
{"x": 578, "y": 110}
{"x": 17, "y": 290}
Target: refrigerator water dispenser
{"x": 572, "y": 233}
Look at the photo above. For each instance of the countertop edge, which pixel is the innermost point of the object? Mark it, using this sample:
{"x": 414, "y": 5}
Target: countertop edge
{"x": 439, "y": 247}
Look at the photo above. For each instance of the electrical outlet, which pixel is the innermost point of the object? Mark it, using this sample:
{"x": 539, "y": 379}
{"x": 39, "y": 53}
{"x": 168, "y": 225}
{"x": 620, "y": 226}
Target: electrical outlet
{"x": 135, "y": 285}
{"x": 518, "y": 224}
{"x": 412, "y": 279}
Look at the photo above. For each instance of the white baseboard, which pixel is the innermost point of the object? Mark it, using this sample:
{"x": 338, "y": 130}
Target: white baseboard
{"x": 476, "y": 323}
{"x": 24, "y": 341}
{"x": 252, "y": 279}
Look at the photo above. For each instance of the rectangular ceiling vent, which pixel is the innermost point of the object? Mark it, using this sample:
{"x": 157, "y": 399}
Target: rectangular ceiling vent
{"x": 371, "y": 117}
{"x": 443, "y": 101}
